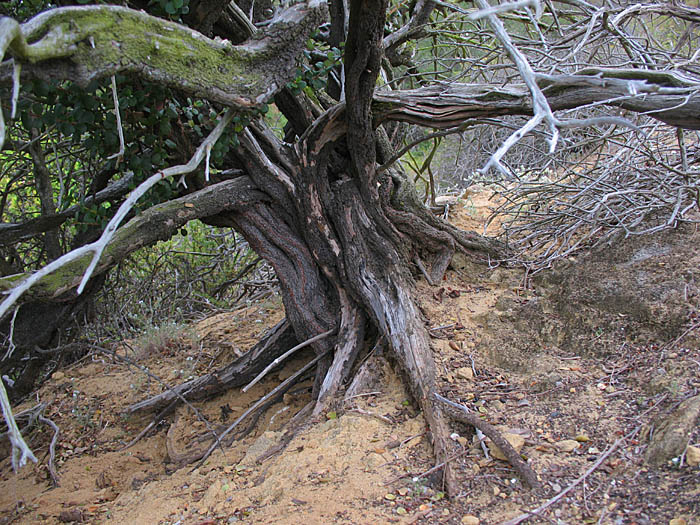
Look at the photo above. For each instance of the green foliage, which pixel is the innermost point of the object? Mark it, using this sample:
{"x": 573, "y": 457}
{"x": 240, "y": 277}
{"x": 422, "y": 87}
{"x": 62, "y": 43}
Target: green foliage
{"x": 164, "y": 284}
{"x": 312, "y": 73}
{"x": 23, "y": 9}
{"x": 172, "y": 9}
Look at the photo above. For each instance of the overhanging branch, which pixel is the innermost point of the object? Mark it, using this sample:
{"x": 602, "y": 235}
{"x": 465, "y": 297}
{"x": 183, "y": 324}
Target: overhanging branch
{"x": 157, "y": 223}
{"x": 89, "y": 42}
{"x": 677, "y": 104}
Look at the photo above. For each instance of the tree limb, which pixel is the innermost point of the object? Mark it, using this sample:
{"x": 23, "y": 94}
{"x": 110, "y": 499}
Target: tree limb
{"x": 89, "y": 42}
{"x": 156, "y": 223}
{"x": 672, "y": 99}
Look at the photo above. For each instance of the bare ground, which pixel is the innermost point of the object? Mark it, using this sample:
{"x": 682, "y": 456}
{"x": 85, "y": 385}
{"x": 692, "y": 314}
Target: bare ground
{"x": 600, "y": 351}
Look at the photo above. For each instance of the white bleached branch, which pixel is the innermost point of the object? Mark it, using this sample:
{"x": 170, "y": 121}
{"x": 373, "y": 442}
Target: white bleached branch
{"x": 20, "y": 450}
{"x": 122, "y": 148}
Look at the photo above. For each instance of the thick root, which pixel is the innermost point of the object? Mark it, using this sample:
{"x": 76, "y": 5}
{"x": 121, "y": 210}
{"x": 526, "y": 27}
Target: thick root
{"x": 276, "y": 341}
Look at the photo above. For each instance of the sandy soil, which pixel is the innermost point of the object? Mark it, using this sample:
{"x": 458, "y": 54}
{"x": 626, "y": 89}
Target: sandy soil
{"x": 370, "y": 462}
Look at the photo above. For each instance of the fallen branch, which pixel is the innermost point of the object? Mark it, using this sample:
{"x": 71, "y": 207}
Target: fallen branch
{"x": 159, "y": 417}
{"x": 20, "y": 450}
{"x": 461, "y": 413}
{"x": 52, "y": 448}
{"x": 552, "y": 501}
{"x": 371, "y": 414}
{"x": 233, "y": 375}
{"x": 293, "y": 427}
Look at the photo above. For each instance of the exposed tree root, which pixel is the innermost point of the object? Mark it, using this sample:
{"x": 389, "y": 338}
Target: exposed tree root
{"x": 295, "y": 425}
{"x": 461, "y": 413}
{"x": 276, "y": 341}
{"x": 276, "y": 393}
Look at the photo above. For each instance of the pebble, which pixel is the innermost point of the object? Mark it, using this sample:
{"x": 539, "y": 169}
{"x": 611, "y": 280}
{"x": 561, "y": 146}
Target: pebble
{"x": 567, "y": 445}
{"x": 692, "y": 456}
{"x": 516, "y": 441}
{"x": 465, "y": 373}
{"x": 470, "y": 520}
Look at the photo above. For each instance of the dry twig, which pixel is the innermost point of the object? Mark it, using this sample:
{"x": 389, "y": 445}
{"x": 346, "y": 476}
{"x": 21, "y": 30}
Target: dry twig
{"x": 52, "y": 448}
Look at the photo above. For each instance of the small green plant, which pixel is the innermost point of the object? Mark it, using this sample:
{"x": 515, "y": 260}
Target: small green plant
{"x": 167, "y": 339}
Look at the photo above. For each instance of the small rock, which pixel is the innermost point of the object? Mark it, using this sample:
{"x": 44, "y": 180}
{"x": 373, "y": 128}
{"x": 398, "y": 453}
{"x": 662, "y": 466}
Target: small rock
{"x": 465, "y": 373}
{"x": 498, "y": 276}
{"x": 672, "y": 433}
{"x": 692, "y": 456}
{"x": 103, "y": 481}
{"x": 582, "y": 438}
{"x": 470, "y": 520}
{"x": 567, "y": 445}
{"x": 678, "y": 521}
{"x": 57, "y": 376}
{"x": 516, "y": 441}
{"x": 497, "y": 405}
{"x": 401, "y": 511}
{"x": 72, "y": 515}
